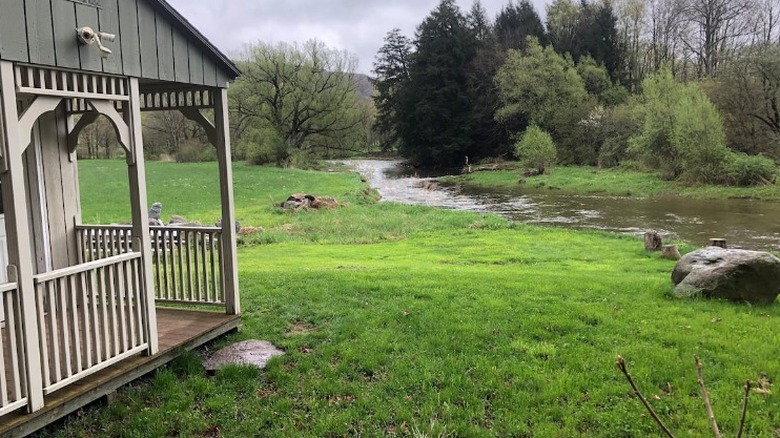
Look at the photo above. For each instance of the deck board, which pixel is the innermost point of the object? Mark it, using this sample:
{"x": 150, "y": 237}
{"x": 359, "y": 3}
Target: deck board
{"x": 178, "y": 330}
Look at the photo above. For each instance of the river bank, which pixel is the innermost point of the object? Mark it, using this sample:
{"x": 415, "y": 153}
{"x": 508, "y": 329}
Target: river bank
{"x": 612, "y": 182}
{"x": 403, "y": 320}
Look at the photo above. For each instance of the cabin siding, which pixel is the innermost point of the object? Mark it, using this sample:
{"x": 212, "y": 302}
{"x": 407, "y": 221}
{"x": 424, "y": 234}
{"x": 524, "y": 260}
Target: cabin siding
{"x": 14, "y": 32}
{"x": 129, "y": 39}
{"x": 148, "y": 44}
{"x": 40, "y": 37}
{"x": 88, "y": 55}
{"x": 57, "y": 178}
{"x": 109, "y": 20}
{"x": 64, "y": 28}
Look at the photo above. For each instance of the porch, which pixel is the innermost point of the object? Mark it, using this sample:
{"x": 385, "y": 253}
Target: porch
{"x": 177, "y": 329}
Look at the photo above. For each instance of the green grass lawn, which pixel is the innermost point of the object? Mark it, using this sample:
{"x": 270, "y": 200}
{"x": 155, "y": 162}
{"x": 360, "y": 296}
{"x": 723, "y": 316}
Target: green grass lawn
{"x": 409, "y": 321}
{"x": 614, "y": 182}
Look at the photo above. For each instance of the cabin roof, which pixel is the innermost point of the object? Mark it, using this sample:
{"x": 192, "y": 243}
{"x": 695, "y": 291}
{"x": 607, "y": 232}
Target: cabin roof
{"x": 154, "y": 42}
{"x": 176, "y": 17}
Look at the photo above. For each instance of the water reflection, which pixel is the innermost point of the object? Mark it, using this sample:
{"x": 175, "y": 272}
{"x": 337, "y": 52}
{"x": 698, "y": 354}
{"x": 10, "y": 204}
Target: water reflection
{"x": 743, "y": 223}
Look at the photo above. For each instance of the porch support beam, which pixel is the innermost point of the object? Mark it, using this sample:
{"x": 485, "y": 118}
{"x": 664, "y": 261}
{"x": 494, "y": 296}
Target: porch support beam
{"x": 137, "y": 175}
{"x": 18, "y": 230}
{"x": 229, "y": 253}
{"x": 196, "y": 116}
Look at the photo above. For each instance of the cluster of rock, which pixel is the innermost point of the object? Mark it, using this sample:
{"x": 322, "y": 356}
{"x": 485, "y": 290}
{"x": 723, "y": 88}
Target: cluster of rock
{"x": 718, "y": 272}
{"x": 179, "y": 221}
{"x": 303, "y": 201}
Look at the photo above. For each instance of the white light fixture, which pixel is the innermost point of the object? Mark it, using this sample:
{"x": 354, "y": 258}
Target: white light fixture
{"x": 87, "y": 36}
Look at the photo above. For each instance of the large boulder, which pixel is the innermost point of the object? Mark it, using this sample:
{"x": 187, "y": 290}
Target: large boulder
{"x": 733, "y": 274}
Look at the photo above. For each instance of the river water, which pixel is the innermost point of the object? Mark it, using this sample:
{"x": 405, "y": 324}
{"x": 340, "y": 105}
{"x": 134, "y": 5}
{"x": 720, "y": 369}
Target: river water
{"x": 743, "y": 223}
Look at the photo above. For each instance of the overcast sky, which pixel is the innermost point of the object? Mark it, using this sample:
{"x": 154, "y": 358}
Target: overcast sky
{"x": 358, "y": 26}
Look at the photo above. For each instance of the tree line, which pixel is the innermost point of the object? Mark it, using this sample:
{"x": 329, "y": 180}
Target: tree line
{"x": 690, "y": 87}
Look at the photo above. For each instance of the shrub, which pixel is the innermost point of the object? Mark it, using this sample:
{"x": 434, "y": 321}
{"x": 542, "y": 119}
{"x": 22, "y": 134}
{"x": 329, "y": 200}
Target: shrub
{"x": 193, "y": 151}
{"x": 536, "y": 149}
{"x": 682, "y": 133}
{"x": 266, "y": 146}
{"x": 748, "y": 170}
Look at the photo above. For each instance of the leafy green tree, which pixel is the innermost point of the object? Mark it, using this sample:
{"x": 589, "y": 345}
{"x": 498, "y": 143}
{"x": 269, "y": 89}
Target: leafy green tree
{"x": 434, "y": 123}
{"x": 542, "y": 87}
{"x": 747, "y": 92}
{"x": 535, "y": 149}
{"x": 563, "y": 18}
{"x": 391, "y": 68}
{"x": 682, "y": 132}
{"x": 306, "y": 94}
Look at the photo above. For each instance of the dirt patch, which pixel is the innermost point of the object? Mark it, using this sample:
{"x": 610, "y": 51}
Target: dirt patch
{"x": 301, "y": 328}
{"x": 251, "y": 352}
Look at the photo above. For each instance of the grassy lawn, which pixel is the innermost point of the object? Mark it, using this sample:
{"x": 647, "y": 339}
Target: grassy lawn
{"x": 409, "y": 321}
{"x": 614, "y": 182}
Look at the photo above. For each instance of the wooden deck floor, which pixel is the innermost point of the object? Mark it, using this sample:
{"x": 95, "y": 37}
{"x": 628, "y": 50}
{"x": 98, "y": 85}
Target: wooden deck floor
{"x": 178, "y": 330}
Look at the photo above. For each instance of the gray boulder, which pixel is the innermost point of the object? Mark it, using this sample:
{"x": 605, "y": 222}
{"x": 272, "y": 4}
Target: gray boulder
{"x": 732, "y": 274}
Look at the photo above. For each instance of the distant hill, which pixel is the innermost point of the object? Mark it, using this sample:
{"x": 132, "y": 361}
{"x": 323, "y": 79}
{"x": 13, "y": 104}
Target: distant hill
{"x": 365, "y": 86}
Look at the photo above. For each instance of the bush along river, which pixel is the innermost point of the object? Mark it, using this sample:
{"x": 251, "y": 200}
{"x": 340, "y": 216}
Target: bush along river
{"x": 743, "y": 223}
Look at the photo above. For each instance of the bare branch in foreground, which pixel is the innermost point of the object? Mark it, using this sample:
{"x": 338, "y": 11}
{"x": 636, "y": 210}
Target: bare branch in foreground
{"x": 706, "y": 395}
{"x": 621, "y": 364}
{"x": 744, "y": 409}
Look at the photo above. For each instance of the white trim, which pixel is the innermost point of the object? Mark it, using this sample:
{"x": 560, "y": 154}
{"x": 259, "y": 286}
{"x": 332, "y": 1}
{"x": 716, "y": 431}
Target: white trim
{"x": 43, "y": 211}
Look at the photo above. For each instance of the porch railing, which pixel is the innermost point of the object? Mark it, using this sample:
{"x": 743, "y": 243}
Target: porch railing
{"x": 186, "y": 261}
{"x": 13, "y": 385}
{"x": 90, "y": 316}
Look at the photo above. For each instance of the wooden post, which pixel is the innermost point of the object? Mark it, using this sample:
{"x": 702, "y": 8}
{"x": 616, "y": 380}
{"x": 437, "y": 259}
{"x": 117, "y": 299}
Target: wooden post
{"x": 137, "y": 175}
{"x": 18, "y": 232}
{"x": 670, "y": 252}
{"x": 718, "y": 241}
{"x": 229, "y": 254}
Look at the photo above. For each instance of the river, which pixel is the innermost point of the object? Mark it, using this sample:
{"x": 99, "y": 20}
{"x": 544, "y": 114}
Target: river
{"x": 743, "y": 223}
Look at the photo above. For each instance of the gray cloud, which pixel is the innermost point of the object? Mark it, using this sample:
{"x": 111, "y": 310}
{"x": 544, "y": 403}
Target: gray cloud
{"x": 358, "y": 27}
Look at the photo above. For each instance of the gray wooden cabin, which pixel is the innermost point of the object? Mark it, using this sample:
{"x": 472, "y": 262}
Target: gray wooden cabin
{"x": 83, "y": 307}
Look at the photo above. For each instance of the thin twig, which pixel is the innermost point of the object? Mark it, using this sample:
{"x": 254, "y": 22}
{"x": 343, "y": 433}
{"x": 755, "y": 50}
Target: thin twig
{"x": 621, "y": 364}
{"x": 744, "y": 409}
{"x": 706, "y": 396}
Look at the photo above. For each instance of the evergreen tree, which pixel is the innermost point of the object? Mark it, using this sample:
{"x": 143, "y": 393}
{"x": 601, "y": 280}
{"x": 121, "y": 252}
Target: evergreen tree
{"x": 392, "y": 74}
{"x": 597, "y": 37}
{"x": 435, "y": 121}
{"x": 515, "y": 23}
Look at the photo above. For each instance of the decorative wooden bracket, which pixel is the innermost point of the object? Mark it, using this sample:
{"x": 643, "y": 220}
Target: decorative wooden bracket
{"x": 196, "y": 116}
{"x": 41, "y": 105}
{"x": 107, "y": 109}
{"x": 74, "y": 130}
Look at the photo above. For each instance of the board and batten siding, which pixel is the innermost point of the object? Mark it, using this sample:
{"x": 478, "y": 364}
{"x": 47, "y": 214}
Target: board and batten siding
{"x": 52, "y": 177}
{"x": 148, "y": 45}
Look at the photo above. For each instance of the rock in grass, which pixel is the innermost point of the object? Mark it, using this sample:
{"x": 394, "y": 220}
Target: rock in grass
{"x": 732, "y": 274}
{"x": 251, "y": 352}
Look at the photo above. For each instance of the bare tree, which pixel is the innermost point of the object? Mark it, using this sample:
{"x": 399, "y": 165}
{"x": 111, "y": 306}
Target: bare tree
{"x": 716, "y": 26}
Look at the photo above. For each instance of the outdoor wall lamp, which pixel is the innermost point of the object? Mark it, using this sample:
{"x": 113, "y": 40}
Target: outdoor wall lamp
{"x": 87, "y": 36}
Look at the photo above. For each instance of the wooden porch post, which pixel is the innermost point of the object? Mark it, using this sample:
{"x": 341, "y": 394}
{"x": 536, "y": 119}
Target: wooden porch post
{"x": 137, "y": 174}
{"x": 18, "y": 232}
{"x": 229, "y": 255}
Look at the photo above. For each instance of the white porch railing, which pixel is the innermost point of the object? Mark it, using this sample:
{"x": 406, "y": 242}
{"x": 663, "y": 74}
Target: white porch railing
{"x": 186, "y": 261}
{"x": 13, "y": 386}
{"x": 90, "y": 316}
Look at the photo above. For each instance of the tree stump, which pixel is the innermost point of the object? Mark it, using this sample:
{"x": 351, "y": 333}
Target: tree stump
{"x": 718, "y": 241}
{"x": 670, "y": 252}
{"x": 652, "y": 241}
